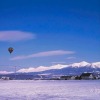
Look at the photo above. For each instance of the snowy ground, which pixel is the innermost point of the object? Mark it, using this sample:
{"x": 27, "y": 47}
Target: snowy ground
{"x": 50, "y": 90}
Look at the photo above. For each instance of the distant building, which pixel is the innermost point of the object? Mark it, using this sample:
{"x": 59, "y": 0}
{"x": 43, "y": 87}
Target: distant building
{"x": 5, "y": 78}
{"x": 17, "y": 77}
{"x": 97, "y": 75}
{"x": 65, "y": 77}
{"x": 87, "y": 76}
{"x": 73, "y": 77}
{"x": 78, "y": 78}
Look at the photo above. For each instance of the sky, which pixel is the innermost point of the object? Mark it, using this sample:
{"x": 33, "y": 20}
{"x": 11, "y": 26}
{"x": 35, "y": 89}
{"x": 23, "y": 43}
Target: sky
{"x": 48, "y": 32}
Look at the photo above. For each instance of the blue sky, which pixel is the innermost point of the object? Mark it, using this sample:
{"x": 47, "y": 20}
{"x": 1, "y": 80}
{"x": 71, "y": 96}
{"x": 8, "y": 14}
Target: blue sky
{"x": 49, "y": 31}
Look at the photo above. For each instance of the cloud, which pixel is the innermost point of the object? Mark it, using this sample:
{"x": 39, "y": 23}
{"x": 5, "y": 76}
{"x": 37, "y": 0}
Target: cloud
{"x": 12, "y": 36}
{"x": 58, "y": 62}
{"x": 44, "y": 54}
{"x": 71, "y": 58}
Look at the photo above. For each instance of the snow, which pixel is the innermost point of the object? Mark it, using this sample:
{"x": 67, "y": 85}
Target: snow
{"x": 60, "y": 66}
{"x": 96, "y": 64}
{"x": 5, "y": 72}
{"x": 50, "y": 90}
{"x": 32, "y": 69}
{"x": 57, "y": 66}
{"x": 81, "y": 64}
{"x": 41, "y": 68}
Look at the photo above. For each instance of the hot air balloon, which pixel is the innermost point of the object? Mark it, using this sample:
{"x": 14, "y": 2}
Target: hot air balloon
{"x": 10, "y": 49}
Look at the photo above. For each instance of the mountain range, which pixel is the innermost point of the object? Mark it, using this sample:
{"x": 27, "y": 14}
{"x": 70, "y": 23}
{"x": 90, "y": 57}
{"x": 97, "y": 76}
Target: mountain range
{"x": 59, "y": 69}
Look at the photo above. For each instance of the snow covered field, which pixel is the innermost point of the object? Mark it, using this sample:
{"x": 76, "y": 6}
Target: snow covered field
{"x": 50, "y": 90}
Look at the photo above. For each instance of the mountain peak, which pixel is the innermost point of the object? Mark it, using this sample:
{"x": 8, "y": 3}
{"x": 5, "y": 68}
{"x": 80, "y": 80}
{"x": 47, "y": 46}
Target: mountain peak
{"x": 84, "y": 63}
{"x": 81, "y": 64}
{"x": 96, "y": 64}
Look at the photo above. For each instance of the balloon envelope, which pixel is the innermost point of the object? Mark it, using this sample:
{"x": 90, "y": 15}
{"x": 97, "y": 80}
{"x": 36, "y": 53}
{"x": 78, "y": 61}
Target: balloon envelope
{"x": 10, "y": 50}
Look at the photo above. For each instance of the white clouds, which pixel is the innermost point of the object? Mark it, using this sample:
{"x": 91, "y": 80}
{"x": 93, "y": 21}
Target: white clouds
{"x": 71, "y": 58}
{"x": 44, "y": 54}
{"x": 12, "y": 36}
{"x": 58, "y": 62}
{"x": 51, "y": 53}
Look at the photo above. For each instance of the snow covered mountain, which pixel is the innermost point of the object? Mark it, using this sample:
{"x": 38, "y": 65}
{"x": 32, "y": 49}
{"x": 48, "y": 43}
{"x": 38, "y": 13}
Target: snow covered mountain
{"x": 75, "y": 68}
